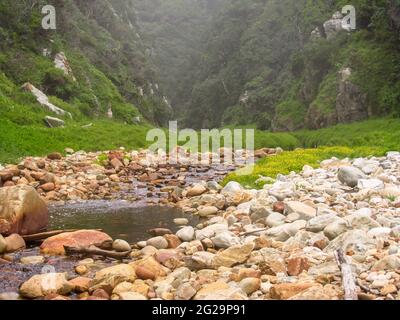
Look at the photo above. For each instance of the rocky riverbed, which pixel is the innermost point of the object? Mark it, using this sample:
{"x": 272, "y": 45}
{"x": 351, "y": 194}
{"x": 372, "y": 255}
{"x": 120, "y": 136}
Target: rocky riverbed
{"x": 280, "y": 242}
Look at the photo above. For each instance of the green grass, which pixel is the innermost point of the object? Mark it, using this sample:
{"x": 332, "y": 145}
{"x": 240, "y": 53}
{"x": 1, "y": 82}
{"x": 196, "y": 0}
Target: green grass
{"x": 20, "y": 141}
{"x": 290, "y": 161}
{"x": 373, "y": 137}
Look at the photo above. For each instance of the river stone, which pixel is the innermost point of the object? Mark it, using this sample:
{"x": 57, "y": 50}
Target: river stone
{"x": 9, "y": 296}
{"x": 44, "y": 284}
{"x": 317, "y": 293}
{"x": 22, "y": 210}
{"x": 250, "y": 285}
{"x": 225, "y": 240}
{"x": 232, "y": 187}
{"x": 32, "y": 260}
{"x": 374, "y": 184}
{"x": 350, "y": 176}
{"x": 220, "y": 291}
{"x": 336, "y": 228}
{"x": 381, "y": 232}
{"x": 186, "y": 234}
{"x": 3, "y": 244}
{"x": 275, "y": 219}
{"x": 284, "y": 291}
{"x": 207, "y": 211}
{"x": 133, "y": 296}
{"x": 395, "y": 232}
{"x": 233, "y": 255}
{"x": 213, "y": 185}
{"x": 362, "y": 221}
{"x": 185, "y": 292}
{"x": 108, "y": 278}
{"x": 196, "y": 190}
{"x": 304, "y": 211}
{"x": 211, "y": 231}
{"x": 82, "y": 238}
{"x": 14, "y": 243}
{"x": 285, "y": 231}
{"x": 158, "y": 242}
{"x": 121, "y": 245}
{"x": 356, "y": 241}
{"x": 151, "y": 265}
{"x": 319, "y": 223}
{"x": 390, "y": 262}
{"x": 200, "y": 260}
{"x": 181, "y": 221}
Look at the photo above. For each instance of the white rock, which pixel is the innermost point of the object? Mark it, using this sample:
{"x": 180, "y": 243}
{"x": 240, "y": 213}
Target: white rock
{"x": 336, "y": 228}
{"x": 305, "y": 212}
{"x": 186, "y": 234}
{"x": 319, "y": 223}
{"x": 232, "y": 187}
{"x": 181, "y": 221}
{"x": 121, "y": 245}
{"x": 374, "y": 184}
{"x": 225, "y": 240}
{"x": 379, "y": 232}
{"x": 275, "y": 219}
{"x": 350, "y": 176}
{"x": 158, "y": 242}
{"x": 32, "y": 260}
{"x": 211, "y": 231}
{"x": 207, "y": 211}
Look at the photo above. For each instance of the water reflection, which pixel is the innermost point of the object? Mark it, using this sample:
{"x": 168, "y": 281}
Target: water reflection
{"x": 119, "y": 219}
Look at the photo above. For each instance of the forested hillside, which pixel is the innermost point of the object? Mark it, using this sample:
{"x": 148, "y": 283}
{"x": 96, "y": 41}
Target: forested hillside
{"x": 93, "y": 65}
{"x": 280, "y": 64}
{"x": 173, "y": 31}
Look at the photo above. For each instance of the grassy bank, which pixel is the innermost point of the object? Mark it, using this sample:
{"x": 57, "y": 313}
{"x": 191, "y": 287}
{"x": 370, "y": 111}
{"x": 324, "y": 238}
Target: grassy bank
{"x": 290, "y": 161}
{"x": 374, "y": 137}
{"x": 20, "y": 141}
{"x": 17, "y": 140}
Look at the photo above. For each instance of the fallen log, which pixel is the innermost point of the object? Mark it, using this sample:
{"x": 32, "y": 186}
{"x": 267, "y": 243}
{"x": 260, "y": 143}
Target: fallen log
{"x": 95, "y": 251}
{"x": 47, "y": 234}
{"x": 349, "y": 286}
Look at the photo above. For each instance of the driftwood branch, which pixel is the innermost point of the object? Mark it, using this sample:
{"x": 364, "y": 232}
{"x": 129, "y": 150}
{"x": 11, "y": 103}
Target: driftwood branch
{"x": 47, "y": 234}
{"x": 253, "y": 231}
{"x": 367, "y": 289}
{"x": 95, "y": 251}
{"x": 349, "y": 286}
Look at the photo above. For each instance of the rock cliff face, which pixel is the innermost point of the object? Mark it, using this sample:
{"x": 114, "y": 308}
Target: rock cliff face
{"x": 351, "y": 101}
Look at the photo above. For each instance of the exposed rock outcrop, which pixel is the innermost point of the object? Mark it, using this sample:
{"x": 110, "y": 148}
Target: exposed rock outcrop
{"x": 53, "y": 122}
{"x": 44, "y": 100}
{"x": 351, "y": 102}
{"x": 61, "y": 62}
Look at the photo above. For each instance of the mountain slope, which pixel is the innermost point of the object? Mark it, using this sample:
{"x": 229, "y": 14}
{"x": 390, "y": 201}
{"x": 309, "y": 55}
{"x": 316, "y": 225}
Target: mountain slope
{"x": 109, "y": 71}
{"x": 280, "y": 64}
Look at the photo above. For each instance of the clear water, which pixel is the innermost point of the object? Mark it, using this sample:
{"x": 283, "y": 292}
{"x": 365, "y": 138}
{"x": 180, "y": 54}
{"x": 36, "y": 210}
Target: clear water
{"x": 119, "y": 219}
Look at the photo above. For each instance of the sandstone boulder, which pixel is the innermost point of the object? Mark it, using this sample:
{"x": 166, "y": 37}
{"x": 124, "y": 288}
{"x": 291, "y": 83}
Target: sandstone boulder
{"x": 22, "y": 210}
{"x": 55, "y": 245}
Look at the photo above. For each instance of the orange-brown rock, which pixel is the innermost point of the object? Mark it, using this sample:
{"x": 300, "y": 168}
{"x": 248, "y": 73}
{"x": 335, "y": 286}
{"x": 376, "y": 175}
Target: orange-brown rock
{"x": 297, "y": 265}
{"x": 284, "y": 291}
{"x": 22, "y": 210}
{"x": 55, "y": 245}
{"x": 173, "y": 241}
{"x": 144, "y": 274}
{"x": 80, "y": 284}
